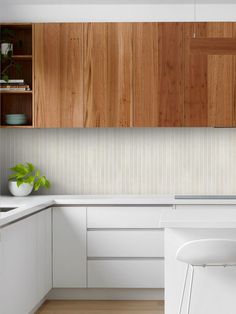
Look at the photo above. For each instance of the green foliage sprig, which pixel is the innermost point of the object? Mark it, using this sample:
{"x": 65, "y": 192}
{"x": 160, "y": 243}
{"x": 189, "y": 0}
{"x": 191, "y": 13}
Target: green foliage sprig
{"x": 7, "y": 61}
{"x": 27, "y": 173}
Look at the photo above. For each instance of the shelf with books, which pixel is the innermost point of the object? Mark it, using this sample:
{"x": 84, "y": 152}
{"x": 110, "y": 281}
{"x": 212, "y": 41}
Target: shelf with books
{"x": 16, "y": 90}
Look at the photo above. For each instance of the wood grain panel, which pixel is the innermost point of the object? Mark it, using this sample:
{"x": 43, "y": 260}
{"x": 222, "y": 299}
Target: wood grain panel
{"x": 234, "y": 90}
{"x": 171, "y": 74}
{"x": 58, "y": 75}
{"x": 71, "y": 68}
{"x": 158, "y": 74}
{"x": 198, "y": 29}
{"x": 220, "y": 91}
{"x": 234, "y": 78}
{"x": 211, "y": 29}
{"x": 219, "y": 29}
{"x": 119, "y": 106}
{"x": 145, "y": 75}
{"x": 107, "y": 74}
{"x": 221, "y": 87}
{"x": 195, "y": 73}
{"x": 209, "y": 74}
{"x": 95, "y": 74}
{"x": 47, "y": 75}
{"x": 213, "y": 46}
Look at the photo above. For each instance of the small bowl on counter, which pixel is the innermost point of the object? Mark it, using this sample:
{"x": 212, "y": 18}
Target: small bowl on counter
{"x": 16, "y": 119}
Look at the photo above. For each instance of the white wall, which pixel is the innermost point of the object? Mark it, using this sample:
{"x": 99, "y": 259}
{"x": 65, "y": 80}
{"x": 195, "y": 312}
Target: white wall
{"x": 127, "y": 161}
{"x": 131, "y": 161}
{"x": 174, "y": 10}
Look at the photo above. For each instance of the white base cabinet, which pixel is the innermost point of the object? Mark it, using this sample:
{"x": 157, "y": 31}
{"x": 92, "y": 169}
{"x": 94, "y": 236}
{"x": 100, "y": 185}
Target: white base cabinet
{"x": 108, "y": 247}
{"x": 130, "y": 273}
{"x": 69, "y": 247}
{"x": 25, "y": 263}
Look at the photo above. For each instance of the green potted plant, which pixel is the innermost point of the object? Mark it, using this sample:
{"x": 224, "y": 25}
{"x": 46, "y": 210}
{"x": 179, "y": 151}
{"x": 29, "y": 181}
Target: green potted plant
{"x": 25, "y": 179}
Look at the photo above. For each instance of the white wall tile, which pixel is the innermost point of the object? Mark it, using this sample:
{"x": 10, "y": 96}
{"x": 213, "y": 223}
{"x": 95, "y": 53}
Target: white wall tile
{"x": 126, "y": 161}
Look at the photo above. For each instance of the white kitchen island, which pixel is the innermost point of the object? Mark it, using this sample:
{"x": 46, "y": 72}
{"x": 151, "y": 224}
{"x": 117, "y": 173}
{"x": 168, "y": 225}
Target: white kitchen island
{"x": 214, "y": 289}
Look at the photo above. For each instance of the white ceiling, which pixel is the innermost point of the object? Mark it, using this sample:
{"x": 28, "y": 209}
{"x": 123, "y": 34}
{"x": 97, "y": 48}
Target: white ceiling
{"x": 32, "y": 2}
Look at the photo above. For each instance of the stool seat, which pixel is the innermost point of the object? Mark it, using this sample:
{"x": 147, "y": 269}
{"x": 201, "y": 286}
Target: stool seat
{"x": 208, "y": 252}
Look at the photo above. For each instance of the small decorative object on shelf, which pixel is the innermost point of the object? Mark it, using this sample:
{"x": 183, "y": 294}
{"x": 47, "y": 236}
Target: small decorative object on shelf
{"x": 6, "y": 49}
{"x": 25, "y": 179}
{"x": 7, "y": 60}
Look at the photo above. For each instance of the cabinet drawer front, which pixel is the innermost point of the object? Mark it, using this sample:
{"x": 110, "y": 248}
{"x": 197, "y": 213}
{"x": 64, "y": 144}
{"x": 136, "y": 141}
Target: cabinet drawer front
{"x": 125, "y": 274}
{"x": 130, "y": 243}
{"x": 125, "y": 217}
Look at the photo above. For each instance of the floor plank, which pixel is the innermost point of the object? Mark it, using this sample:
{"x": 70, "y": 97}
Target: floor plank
{"x": 101, "y": 307}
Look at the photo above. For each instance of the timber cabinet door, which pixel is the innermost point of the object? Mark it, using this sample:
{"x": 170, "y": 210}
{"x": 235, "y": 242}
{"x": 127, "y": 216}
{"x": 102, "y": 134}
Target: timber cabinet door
{"x": 158, "y": 74}
{"x": 107, "y": 74}
{"x": 58, "y": 75}
{"x": 210, "y": 65}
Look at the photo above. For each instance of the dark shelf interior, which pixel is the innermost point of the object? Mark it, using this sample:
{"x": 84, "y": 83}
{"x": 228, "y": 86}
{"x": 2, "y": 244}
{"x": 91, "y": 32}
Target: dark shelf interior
{"x": 12, "y": 102}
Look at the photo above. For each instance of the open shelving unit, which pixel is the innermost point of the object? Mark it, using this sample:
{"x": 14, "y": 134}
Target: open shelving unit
{"x": 22, "y": 101}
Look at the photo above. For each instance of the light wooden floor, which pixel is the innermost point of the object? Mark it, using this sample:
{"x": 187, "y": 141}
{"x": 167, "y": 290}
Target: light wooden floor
{"x": 102, "y": 307}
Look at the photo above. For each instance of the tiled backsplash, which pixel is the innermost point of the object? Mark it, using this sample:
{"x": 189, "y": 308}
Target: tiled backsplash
{"x": 126, "y": 161}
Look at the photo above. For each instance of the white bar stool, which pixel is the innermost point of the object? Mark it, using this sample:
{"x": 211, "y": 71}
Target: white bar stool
{"x": 205, "y": 253}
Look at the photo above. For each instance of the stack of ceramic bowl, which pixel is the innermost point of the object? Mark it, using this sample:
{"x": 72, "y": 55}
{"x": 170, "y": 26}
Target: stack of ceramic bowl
{"x": 16, "y": 119}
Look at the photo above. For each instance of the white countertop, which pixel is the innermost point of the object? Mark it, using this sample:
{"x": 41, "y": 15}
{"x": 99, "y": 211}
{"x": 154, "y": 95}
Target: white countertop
{"x": 30, "y": 204}
{"x": 199, "y": 219}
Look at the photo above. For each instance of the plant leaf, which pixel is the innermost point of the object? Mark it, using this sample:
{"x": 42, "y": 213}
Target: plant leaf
{"x": 47, "y": 184}
{"x": 5, "y": 77}
{"x": 19, "y": 182}
{"x": 37, "y": 185}
{"x": 30, "y": 167}
{"x": 20, "y": 168}
{"x": 37, "y": 174}
{"x": 43, "y": 180}
{"x": 20, "y": 176}
{"x": 12, "y": 176}
{"x": 29, "y": 180}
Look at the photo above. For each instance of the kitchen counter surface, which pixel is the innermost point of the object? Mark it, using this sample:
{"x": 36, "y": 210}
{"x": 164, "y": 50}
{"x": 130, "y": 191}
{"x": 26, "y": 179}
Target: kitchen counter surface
{"x": 29, "y": 205}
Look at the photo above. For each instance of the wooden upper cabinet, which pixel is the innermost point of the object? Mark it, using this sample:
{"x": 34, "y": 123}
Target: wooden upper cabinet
{"x": 58, "y": 75}
{"x": 210, "y": 64}
{"x": 158, "y": 74}
{"x": 135, "y": 74}
{"x": 107, "y": 74}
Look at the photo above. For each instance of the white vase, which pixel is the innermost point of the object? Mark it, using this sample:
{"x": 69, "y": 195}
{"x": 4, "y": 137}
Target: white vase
{"x": 6, "y": 47}
{"x": 23, "y": 190}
